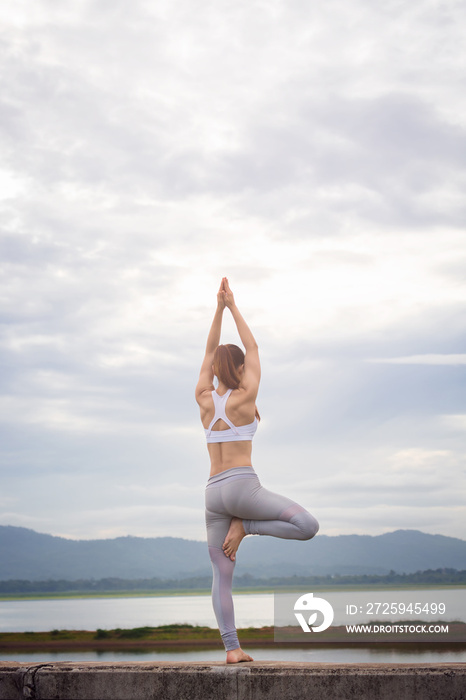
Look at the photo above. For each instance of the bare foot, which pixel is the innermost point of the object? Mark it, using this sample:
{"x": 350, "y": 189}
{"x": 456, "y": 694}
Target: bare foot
{"x": 236, "y": 656}
{"x": 233, "y": 539}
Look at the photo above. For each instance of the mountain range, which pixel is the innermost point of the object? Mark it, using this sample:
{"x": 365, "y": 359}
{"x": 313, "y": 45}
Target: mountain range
{"x": 29, "y": 555}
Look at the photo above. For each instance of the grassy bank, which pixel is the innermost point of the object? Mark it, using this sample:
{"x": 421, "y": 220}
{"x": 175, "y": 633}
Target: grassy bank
{"x": 185, "y": 636}
{"x": 156, "y": 637}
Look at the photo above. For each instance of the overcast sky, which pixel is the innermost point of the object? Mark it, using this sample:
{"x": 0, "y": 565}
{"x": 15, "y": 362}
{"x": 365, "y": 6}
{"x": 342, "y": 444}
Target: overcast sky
{"x": 315, "y": 154}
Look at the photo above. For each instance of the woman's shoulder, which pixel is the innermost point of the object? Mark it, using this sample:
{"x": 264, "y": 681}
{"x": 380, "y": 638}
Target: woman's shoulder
{"x": 203, "y": 394}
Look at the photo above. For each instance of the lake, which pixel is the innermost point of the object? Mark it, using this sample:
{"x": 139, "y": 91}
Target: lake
{"x": 252, "y": 610}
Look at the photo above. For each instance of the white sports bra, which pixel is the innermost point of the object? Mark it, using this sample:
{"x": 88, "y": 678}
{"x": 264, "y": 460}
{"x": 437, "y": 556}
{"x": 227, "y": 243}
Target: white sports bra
{"x": 234, "y": 432}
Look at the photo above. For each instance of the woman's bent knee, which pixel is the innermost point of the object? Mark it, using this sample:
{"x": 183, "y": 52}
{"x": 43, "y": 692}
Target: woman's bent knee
{"x": 308, "y": 525}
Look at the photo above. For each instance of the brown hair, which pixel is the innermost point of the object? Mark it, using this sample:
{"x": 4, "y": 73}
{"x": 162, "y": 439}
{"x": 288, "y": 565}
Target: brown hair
{"x": 227, "y": 361}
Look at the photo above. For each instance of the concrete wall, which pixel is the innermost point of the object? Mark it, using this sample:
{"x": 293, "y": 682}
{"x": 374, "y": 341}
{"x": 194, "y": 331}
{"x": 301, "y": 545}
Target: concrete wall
{"x": 255, "y": 681}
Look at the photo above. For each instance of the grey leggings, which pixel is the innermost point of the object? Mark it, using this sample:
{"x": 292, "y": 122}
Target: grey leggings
{"x": 237, "y": 493}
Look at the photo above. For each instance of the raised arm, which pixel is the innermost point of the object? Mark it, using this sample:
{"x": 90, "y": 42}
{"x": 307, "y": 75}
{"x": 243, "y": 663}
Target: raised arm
{"x": 252, "y": 367}
{"x": 206, "y": 376}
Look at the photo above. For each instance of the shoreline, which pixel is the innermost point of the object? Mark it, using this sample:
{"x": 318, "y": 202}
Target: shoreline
{"x": 168, "y": 592}
{"x": 169, "y": 637}
{"x": 182, "y": 637}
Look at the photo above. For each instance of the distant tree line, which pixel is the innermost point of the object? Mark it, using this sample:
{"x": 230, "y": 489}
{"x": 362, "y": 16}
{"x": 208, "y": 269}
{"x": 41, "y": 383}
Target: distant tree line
{"x": 431, "y": 576}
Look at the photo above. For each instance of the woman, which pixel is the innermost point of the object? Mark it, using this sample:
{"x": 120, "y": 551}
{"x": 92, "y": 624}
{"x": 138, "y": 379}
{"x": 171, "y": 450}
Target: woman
{"x": 236, "y": 503}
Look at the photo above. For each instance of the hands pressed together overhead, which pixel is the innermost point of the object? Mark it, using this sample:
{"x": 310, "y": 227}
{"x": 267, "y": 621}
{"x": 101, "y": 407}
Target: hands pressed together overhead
{"x": 225, "y": 295}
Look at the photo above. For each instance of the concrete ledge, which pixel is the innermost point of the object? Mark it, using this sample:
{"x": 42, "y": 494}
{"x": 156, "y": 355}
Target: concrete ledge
{"x": 256, "y": 681}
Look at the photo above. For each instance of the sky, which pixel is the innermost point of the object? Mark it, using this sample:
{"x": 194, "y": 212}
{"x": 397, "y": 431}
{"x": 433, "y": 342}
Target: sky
{"x": 313, "y": 153}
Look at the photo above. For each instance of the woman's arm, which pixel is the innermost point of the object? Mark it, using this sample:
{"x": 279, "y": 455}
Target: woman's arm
{"x": 252, "y": 367}
{"x": 206, "y": 376}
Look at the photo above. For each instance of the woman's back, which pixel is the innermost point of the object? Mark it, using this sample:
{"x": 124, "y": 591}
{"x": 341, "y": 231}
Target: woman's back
{"x": 229, "y": 438}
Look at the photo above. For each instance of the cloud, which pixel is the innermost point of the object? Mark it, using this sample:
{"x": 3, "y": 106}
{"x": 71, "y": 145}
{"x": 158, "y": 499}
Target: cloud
{"x": 432, "y": 359}
{"x": 315, "y": 154}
